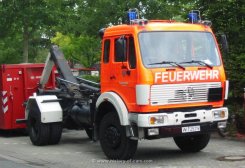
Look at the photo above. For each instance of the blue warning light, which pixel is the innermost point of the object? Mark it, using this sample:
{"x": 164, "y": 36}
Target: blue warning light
{"x": 193, "y": 17}
{"x": 132, "y": 15}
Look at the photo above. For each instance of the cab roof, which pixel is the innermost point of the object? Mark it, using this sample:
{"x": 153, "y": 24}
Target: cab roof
{"x": 154, "y": 25}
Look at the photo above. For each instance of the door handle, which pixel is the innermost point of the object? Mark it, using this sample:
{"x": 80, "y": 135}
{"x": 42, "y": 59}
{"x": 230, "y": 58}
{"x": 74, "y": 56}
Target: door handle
{"x": 113, "y": 77}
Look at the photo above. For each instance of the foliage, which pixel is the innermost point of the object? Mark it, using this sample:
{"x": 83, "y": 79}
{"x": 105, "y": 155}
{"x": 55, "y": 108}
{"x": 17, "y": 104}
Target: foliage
{"x": 84, "y": 49}
{"x": 9, "y": 49}
{"x": 91, "y": 78}
{"x": 66, "y": 43}
{"x": 229, "y": 17}
{"x": 24, "y": 17}
{"x": 31, "y": 23}
{"x": 78, "y": 36}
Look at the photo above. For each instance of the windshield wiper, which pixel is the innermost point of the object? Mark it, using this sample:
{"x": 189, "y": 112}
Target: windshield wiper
{"x": 198, "y": 62}
{"x": 169, "y": 62}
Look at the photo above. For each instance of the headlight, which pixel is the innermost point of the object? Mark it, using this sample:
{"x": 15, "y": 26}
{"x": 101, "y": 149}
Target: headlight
{"x": 157, "y": 119}
{"x": 219, "y": 114}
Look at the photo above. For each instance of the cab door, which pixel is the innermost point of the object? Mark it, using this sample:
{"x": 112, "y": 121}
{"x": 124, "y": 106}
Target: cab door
{"x": 106, "y": 81}
{"x": 123, "y": 74}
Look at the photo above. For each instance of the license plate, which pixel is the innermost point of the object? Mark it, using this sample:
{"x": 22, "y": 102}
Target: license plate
{"x": 191, "y": 129}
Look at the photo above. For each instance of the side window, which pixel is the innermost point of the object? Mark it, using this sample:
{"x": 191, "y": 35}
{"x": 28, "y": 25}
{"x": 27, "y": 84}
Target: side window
{"x": 131, "y": 55}
{"x": 106, "y": 53}
{"x": 118, "y": 55}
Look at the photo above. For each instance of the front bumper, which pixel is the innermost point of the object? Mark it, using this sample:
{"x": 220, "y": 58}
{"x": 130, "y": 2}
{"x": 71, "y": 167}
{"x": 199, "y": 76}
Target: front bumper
{"x": 178, "y": 117}
{"x": 171, "y": 123}
{"x": 172, "y": 131}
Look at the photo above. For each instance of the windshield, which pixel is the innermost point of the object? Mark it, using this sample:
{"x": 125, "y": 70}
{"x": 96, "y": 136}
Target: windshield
{"x": 183, "y": 48}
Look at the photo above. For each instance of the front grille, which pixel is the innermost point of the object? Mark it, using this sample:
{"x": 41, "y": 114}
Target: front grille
{"x": 181, "y": 93}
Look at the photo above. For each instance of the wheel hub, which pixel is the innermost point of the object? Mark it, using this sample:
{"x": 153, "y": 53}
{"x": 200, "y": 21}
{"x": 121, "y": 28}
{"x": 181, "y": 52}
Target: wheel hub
{"x": 113, "y": 137}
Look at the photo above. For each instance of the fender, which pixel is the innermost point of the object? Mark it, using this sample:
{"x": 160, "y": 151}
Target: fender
{"x": 47, "y": 106}
{"x": 118, "y": 103}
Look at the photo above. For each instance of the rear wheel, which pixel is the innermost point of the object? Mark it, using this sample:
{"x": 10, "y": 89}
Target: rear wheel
{"x": 113, "y": 140}
{"x": 55, "y": 133}
{"x": 38, "y": 132}
{"x": 43, "y": 133}
{"x": 192, "y": 143}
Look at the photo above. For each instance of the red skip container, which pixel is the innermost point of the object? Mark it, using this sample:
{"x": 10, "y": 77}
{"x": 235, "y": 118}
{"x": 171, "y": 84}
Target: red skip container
{"x": 17, "y": 83}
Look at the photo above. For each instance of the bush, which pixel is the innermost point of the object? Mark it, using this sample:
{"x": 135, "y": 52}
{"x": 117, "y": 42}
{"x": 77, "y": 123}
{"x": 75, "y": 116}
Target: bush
{"x": 91, "y": 78}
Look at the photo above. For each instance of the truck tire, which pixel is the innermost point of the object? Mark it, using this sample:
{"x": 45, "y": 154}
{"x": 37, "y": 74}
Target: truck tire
{"x": 55, "y": 133}
{"x": 39, "y": 132}
{"x": 113, "y": 140}
{"x": 192, "y": 143}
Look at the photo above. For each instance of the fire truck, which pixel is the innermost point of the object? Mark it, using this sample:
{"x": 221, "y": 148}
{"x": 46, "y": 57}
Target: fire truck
{"x": 159, "y": 78}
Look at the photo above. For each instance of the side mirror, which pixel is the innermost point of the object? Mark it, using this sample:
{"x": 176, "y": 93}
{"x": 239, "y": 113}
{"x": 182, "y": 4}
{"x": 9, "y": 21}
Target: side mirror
{"x": 121, "y": 49}
{"x": 224, "y": 43}
{"x": 101, "y": 33}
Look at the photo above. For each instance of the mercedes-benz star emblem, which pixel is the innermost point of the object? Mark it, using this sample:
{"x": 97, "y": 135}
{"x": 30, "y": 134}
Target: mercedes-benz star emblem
{"x": 188, "y": 93}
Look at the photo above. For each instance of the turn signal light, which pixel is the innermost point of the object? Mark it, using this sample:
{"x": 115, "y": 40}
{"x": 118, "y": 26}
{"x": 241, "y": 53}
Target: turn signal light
{"x": 152, "y": 120}
{"x": 222, "y": 114}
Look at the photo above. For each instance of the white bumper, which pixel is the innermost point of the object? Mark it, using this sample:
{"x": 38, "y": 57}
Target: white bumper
{"x": 179, "y": 117}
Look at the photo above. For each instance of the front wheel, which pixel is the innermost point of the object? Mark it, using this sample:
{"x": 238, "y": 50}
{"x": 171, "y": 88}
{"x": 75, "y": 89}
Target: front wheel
{"x": 113, "y": 140}
{"x": 192, "y": 143}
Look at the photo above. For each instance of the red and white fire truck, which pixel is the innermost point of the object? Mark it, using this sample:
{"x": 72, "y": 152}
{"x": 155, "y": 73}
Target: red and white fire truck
{"x": 159, "y": 78}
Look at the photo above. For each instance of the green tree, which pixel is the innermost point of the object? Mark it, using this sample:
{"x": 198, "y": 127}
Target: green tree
{"x": 34, "y": 20}
{"x": 93, "y": 15}
{"x": 229, "y": 17}
{"x": 9, "y": 49}
{"x": 78, "y": 35}
{"x": 83, "y": 49}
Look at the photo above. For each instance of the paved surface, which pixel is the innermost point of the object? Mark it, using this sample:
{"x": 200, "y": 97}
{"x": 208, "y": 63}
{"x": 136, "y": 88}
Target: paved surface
{"x": 76, "y": 151}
